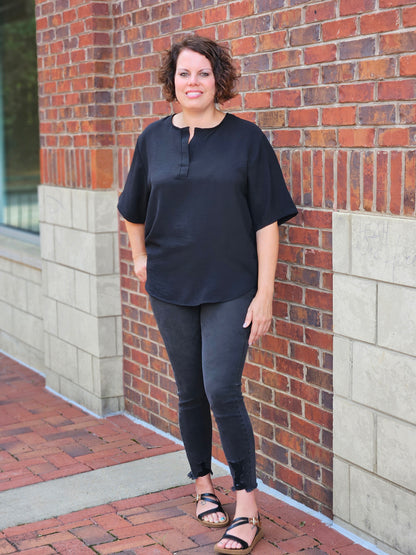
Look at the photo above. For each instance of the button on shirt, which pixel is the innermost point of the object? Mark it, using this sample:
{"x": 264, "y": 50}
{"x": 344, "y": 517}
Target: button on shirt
{"x": 202, "y": 202}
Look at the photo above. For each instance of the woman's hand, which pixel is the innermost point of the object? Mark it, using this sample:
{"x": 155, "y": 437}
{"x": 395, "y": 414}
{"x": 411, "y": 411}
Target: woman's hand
{"x": 140, "y": 267}
{"x": 259, "y": 315}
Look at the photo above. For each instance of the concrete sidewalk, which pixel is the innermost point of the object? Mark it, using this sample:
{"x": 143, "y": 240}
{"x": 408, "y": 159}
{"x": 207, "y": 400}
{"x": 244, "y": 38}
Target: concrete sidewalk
{"x": 71, "y": 483}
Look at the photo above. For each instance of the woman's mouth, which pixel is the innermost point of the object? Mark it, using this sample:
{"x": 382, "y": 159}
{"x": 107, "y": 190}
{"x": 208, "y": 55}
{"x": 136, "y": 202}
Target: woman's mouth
{"x": 193, "y": 94}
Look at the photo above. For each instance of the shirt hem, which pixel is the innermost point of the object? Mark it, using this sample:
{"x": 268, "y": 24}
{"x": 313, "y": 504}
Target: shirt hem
{"x": 218, "y": 300}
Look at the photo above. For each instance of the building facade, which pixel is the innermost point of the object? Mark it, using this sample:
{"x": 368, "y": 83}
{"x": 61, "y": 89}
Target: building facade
{"x": 332, "y": 84}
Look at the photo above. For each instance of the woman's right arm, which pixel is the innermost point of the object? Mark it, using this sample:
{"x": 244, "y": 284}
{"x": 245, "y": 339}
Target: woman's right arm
{"x": 138, "y": 249}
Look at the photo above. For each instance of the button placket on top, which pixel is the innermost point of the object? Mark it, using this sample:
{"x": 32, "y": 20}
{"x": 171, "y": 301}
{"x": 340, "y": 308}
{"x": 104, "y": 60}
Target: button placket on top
{"x": 184, "y": 163}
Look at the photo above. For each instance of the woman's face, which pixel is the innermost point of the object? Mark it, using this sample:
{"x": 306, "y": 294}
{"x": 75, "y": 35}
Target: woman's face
{"x": 194, "y": 81}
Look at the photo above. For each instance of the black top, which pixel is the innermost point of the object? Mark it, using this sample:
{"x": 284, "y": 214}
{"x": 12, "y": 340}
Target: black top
{"x": 202, "y": 203}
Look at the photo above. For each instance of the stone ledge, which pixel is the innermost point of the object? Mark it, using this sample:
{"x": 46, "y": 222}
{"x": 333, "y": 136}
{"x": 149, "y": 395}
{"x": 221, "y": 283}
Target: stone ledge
{"x": 21, "y": 247}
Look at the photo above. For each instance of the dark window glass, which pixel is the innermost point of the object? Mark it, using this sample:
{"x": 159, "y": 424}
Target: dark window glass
{"x": 19, "y": 123}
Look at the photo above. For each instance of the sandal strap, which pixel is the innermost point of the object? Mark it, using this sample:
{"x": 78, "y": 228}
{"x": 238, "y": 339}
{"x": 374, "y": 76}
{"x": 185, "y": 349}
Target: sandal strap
{"x": 239, "y": 521}
{"x": 210, "y": 512}
{"x": 255, "y": 521}
{"x": 243, "y": 543}
{"x": 211, "y": 497}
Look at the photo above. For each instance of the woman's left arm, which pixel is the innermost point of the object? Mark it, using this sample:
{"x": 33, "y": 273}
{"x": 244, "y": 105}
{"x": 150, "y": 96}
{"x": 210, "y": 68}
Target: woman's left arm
{"x": 259, "y": 313}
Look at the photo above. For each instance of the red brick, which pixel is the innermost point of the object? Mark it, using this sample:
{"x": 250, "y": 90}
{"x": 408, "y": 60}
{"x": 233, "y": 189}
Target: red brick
{"x": 320, "y": 137}
{"x": 275, "y": 380}
{"x": 408, "y": 65}
{"x": 287, "y": 439}
{"x": 409, "y": 16}
{"x": 216, "y": 14}
{"x": 305, "y": 354}
{"x": 409, "y": 184}
{"x": 286, "y": 137}
{"x": 349, "y": 7}
{"x": 396, "y": 182}
{"x": 303, "y": 77}
{"x": 343, "y": 115}
{"x": 229, "y": 30}
{"x": 274, "y": 80}
{"x": 356, "y": 137}
{"x": 318, "y": 454}
{"x": 394, "y": 137}
{"x": 355, "y": 180}
{"x": 243, "y": 46}
{"x": 275, "y": 451}
{"x": 377, "y": 115}
{"x": 379, "y": 22}
{"x": 296, "y": 545}
{"x": 241, "y": 9}
{"x": 124, "y": 545}
{"x": 286, "y": 58}
{"x": 256, "y": 25}
{"x": 363, "y": 92}
{"x": 272, "y": 41}
{"x": 320, "y": 54}
{"x": 271, "y": 118}
{"x": 275, "y": 344}
{"x": 321, "y": 11}
{"x": 398, "y": 42}
{"x": 368, "y": 180}
{"x": 287, "y": 18}
{"x": 359, "y": 48}
{"x": 257, "y": 100}
{"x": 339, "y": 28}
{"x": 290, "y": 477}
{"x": 318, "y": 258}
{"x": 304, "y": 428}
{"x": 397, "y": 90}
{"x": 304, "y": 391}
{"x": 304, "y": 35}
{"x": 315, "y": 414}
{"x": 319, "y": 492}
{"x": 303, "y": 118}
{"x": 318, "y": 339}
{"x": 289, "y": 98}
{"x": 192, "y": 20}
{"x": 380, "y": 68}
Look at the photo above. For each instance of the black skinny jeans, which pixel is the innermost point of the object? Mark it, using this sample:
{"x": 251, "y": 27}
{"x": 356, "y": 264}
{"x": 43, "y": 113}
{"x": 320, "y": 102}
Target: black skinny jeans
{"x": 207, "y": 347}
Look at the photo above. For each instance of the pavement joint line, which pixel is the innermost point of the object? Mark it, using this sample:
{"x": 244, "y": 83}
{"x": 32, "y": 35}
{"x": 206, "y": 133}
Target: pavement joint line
{"x": 54, "y": 498}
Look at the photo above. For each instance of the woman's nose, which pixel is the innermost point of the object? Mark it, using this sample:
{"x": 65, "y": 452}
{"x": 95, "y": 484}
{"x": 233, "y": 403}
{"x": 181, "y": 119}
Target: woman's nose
{"x": 193, "y": 78}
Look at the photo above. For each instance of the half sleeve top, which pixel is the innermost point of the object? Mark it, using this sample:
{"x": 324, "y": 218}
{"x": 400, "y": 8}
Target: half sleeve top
{"x": 202, "y": 202}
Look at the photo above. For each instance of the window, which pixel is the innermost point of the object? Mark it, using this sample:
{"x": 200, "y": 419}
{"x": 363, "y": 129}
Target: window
{"x": 19, "y": 123}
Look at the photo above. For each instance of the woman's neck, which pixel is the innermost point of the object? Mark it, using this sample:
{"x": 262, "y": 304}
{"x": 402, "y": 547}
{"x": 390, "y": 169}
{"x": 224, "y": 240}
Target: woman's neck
{"x": 198, "y": 119}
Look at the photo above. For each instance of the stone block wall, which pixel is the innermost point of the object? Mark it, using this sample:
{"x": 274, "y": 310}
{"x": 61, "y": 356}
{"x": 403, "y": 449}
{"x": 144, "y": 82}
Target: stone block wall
{"x": 375, "y": 377}
{"x": 21, "y": 319}
{"x": 81, "y": 296}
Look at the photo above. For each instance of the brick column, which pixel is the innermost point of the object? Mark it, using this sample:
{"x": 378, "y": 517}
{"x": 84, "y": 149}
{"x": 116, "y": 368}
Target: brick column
{"x": 77, "y": 200}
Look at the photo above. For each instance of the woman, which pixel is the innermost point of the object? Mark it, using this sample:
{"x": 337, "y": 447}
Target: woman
{"x": 202, "y": 204}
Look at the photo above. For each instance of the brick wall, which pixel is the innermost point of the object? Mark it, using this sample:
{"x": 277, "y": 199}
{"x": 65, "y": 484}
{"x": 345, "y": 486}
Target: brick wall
{"x": 76, "y": 93}
{"x": 332, "y": 85}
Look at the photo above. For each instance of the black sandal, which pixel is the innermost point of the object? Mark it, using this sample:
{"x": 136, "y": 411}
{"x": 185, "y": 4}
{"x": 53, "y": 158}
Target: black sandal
{"x": 211, "y": 498}
{"x": 245, "y": 548}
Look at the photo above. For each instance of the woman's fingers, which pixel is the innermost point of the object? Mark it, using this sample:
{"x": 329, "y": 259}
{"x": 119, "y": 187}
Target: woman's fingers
{"x": 140, "y": 268}
{"x": 259, "y": 315}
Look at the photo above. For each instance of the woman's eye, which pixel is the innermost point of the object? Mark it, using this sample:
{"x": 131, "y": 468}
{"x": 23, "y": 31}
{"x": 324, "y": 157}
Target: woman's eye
{"x": 183, "y": 74}
{"x": 205, "y": 74}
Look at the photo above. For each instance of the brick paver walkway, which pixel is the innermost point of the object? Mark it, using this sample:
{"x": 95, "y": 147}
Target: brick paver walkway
{"x": 42, "y": 437}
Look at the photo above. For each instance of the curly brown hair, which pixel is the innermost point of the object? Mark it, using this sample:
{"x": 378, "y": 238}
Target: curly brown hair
{"x": 225, "y": 73}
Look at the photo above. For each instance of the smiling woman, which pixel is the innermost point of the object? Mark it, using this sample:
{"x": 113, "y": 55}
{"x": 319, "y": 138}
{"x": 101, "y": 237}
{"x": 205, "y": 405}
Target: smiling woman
{"x": 202, "y": 204}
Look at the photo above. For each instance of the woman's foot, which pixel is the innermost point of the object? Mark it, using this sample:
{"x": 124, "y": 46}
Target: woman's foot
{"x": 246, "y": 506}
{"x": 208, "y": 503}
